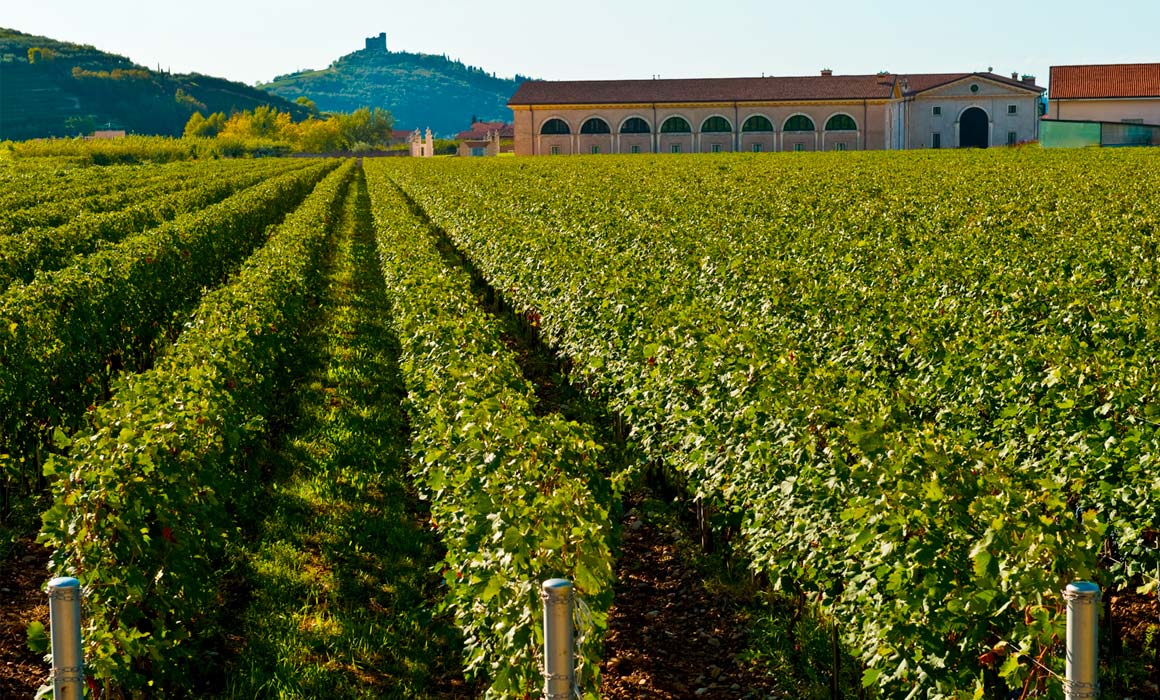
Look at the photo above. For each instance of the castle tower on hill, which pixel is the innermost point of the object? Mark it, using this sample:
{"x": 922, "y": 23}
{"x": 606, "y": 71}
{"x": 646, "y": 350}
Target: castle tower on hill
{"x": 377, "y": 43}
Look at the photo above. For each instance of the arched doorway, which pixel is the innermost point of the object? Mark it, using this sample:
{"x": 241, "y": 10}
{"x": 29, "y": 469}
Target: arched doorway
{"x": 973, "y": 129}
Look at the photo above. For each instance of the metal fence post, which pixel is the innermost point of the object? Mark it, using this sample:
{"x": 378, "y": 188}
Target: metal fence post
{"x": 559, "y": 664}
{"x": 64, "y": 616}
{"x": 1083, "y": 609}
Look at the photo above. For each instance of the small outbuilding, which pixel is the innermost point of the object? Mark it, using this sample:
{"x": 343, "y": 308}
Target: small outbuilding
{"x": 1122, "y": 92}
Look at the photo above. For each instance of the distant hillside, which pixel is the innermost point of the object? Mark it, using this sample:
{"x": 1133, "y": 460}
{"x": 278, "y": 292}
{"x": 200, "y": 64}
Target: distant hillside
{"x": 53, "y": 88}
{"x": 420, "y": 90}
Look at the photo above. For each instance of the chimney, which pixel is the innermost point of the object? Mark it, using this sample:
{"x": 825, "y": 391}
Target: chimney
{"x": 1014, "y": 75}
{"x": 826, "y": 72}
{"x": 1028, "y": 80}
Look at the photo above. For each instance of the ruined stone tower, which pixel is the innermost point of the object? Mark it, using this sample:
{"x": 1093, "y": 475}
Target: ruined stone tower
{"x": 377, "y": 43}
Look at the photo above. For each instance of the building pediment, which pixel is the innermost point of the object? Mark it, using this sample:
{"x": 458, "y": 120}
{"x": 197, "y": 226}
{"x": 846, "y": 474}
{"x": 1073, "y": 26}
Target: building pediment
{"x": 976, "y": 86}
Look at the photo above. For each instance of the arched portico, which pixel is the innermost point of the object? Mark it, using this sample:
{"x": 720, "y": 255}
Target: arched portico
{"x": 595, "y": 136}
{"x": 634, "y": 125}
{"x": 841, "y": 133}
{"x": 555, "y": 137}
{"x": 716, "y": 133}
{"x": 757, "y": 134}
{"x": 799, "y": 132}
{"x": 973, "y": 128}
{"x": 634, "y": 135}
{"x": 675, "y": 135}
{"x": 595, "y": 125}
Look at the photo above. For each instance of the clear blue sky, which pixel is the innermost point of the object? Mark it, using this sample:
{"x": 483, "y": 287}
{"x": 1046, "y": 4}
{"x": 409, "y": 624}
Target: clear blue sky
{"x": 607, "y": 39}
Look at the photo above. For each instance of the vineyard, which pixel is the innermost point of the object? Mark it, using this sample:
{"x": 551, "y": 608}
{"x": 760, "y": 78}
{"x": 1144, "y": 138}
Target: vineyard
{"x": 915, "y": 393}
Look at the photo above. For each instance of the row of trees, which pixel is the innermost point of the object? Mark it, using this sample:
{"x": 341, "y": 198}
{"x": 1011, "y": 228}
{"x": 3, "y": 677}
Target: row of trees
{"x": 361, "y": 130}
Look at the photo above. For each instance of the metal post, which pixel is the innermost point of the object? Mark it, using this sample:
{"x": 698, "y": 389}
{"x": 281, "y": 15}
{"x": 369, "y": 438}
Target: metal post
{"x": 559, "y": 664}
{"x": 1083, "y": 607}
{"x": 64, "y": 611}
{"x": 836, "y": 662}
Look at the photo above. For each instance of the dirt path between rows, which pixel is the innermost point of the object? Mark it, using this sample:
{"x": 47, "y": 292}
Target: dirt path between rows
{"x": 22, "y": 600}
{"x": 669, "y": 636}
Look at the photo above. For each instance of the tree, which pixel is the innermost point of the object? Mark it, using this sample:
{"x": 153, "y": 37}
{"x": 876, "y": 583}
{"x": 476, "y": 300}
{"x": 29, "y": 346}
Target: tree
{"x": 194, "y": 126}
{"x": 366, "y": 126}
{"x": 307, "y": 103}
{"x": 317, "y": 136}
{"x": 215, "y": 122}
{"x": 205, "y": 127}
{"x": 264, "y": 122}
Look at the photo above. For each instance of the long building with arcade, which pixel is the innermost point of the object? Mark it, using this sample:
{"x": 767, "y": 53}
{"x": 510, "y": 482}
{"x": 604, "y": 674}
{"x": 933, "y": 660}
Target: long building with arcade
{"x": 826, "y": 112}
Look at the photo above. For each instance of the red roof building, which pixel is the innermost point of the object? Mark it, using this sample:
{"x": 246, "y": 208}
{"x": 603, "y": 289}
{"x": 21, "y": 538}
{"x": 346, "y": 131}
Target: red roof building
{"x": 822, "y": 112}
{"x": 481, "y": 131}
{"x": 1123, "y": 92}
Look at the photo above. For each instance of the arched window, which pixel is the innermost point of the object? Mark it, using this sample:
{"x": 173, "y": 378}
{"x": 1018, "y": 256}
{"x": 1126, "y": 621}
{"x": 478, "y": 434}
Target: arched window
{"x": 716, "y": 125}
{"x": 634, "y": 125}
{"x": 595, "y": 125}
{"x": 841, "y": 122}
{"x": 554, "y": 127}
{"x": 757, "y": 123}
{"x": 675, "y": 125}
{"x": 799, "y": 122}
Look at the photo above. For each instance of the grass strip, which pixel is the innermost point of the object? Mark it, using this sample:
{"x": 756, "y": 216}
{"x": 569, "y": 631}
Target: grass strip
{"x": 518, "y": 498}
{"x": 343, "y": 589}
{"x": 147, "y": 497}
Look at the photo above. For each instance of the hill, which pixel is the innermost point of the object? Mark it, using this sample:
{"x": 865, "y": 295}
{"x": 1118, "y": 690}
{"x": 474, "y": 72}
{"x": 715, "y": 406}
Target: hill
{"x": 420, "y": 90}
{"x": 55, "y": 88}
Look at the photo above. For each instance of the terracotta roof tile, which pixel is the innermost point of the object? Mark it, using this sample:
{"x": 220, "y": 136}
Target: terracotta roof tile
{"x": 772, "y": 89}
{"x": 835, "y": 87}
{"x": 480, "y": 130}
{"x": 1111, "y": 80}
{"x": 921, "y": 82}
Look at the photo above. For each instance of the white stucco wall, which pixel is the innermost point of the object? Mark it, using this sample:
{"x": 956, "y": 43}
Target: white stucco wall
{"x": 954, "y": 99}
{"x": 1107, "y": 110}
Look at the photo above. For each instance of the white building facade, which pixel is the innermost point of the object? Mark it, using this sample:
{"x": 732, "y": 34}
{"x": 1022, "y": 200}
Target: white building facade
{"x": 827, "y": 112}
{"x": 972, "y": 111}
